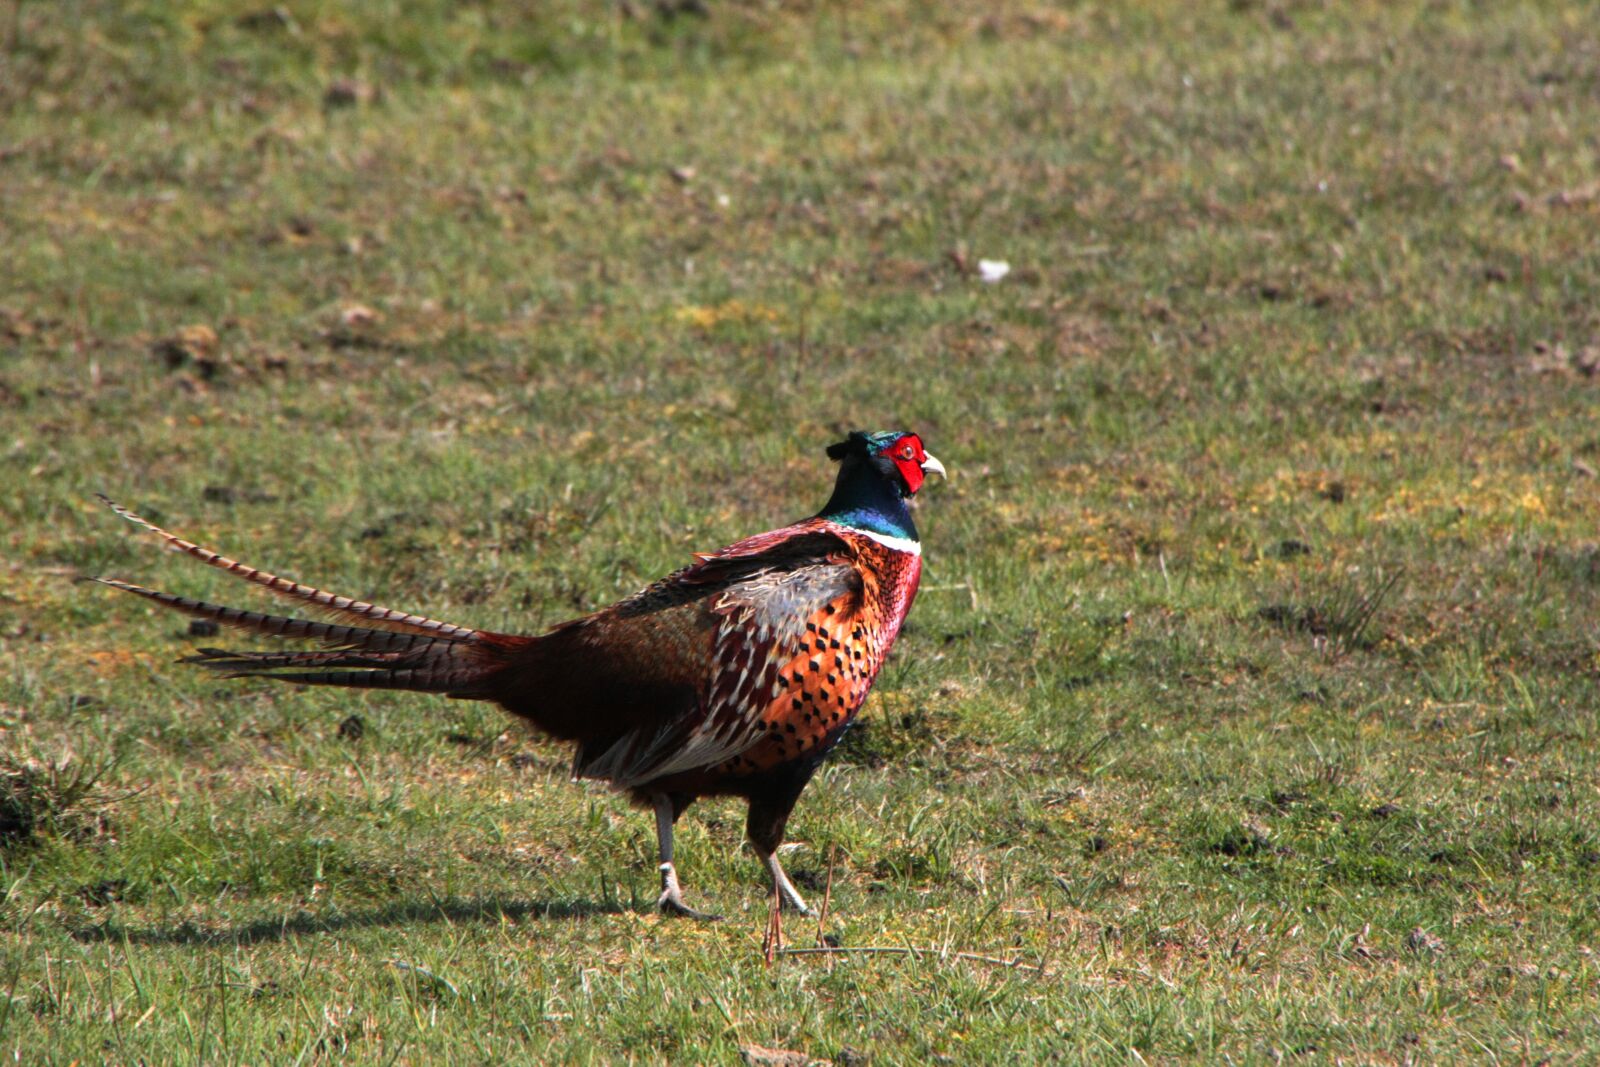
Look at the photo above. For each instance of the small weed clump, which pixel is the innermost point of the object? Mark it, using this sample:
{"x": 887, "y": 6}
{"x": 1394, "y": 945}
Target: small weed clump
{"x": 62, "y": 797}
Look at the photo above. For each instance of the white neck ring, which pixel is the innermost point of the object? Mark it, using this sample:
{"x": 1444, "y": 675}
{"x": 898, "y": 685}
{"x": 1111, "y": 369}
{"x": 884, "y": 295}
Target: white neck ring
{"x": 898, "y": 544}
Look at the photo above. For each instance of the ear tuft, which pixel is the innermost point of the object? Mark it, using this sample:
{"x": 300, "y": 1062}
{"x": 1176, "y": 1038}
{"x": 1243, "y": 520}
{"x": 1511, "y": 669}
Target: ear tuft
{"x": 856, "y": 443}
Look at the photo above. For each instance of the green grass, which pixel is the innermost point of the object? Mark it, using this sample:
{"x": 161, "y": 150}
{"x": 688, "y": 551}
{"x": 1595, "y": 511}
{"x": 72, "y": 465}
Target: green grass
{"x": 1304, "y": 297}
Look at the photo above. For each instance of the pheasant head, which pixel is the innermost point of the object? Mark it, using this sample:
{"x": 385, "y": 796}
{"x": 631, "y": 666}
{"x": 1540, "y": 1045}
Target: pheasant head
{"x": 877, "y": 473}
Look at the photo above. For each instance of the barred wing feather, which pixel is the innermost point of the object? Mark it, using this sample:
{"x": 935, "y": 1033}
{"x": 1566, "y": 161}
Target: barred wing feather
{"x": 760, "y": 626}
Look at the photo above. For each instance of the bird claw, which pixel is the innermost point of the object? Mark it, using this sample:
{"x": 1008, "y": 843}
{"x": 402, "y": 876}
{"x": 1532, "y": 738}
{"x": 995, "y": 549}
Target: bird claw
{"x": 785, "y": 889}
{"x": 796, "y": 903}
{"x": 672, "y": 904}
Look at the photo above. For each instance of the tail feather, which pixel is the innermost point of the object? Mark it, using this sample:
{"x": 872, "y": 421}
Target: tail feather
{"x": 397, "y": 651}
{"x": 224, "y": 659}
{"x": 368, "y": 640}
{"x": 337, "y": 605}
{"x": 467, "y": 682}
{"x": 369, "y": 659}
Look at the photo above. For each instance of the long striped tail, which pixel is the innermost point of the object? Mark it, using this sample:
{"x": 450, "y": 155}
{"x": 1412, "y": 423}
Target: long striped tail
{"x": 395, "y": 650}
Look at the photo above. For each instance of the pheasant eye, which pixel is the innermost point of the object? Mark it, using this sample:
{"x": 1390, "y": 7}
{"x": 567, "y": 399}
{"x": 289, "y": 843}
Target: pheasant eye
{"x": 906, "y": 452}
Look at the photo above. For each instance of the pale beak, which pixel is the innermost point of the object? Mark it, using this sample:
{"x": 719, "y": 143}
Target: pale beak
{"x": 933, "y": 466}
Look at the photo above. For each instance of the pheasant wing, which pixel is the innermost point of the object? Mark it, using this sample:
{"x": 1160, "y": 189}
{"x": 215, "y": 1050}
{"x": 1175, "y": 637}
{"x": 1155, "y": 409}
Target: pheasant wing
{"x": 759, "y": 613}
{"x": 763, "y": 628}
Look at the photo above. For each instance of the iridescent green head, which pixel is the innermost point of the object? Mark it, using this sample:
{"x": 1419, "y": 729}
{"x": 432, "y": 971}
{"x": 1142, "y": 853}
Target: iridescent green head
{"x": 877, "y": 472}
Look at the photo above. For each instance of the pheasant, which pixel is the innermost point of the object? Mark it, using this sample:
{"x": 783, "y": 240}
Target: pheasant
{"x": 733, "y": 676}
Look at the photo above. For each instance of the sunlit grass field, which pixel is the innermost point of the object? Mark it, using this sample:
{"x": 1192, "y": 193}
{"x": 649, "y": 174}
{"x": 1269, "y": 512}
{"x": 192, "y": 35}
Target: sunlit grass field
{"x": 1248, "y": 711}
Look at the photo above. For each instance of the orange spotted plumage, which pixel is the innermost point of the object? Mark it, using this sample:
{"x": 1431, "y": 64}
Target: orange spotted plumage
{"x": 733, "y": 676}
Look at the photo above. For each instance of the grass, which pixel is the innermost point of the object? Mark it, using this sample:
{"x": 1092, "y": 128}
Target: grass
{"x": 1251, "y": 690}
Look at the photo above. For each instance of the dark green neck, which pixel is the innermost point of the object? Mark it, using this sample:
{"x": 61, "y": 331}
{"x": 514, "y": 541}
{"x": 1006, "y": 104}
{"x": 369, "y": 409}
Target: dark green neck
{"x": 868, "y": 497}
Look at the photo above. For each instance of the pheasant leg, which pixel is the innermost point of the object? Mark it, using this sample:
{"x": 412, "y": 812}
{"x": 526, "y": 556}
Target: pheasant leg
{"x": 671, "y": 900}
{"x": 780, "y": 881}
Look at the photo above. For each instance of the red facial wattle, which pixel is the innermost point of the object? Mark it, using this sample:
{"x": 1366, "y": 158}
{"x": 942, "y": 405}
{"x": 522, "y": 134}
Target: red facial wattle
{"x": 909, "y": 455}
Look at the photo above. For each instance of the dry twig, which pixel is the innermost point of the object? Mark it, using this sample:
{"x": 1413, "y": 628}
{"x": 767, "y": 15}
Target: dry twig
{"x": 911, "y": 950}
{"x": 827, "y": 898}
{"x": 772, "y": 943}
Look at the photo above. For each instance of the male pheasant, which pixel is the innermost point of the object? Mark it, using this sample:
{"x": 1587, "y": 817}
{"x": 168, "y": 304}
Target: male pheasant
{"x": 733, "y": 676}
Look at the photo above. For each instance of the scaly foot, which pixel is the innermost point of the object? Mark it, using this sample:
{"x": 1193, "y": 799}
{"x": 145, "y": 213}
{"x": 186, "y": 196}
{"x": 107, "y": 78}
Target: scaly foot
{"x": 791, "y": 896}
{"x": 796, "y": 901}
{"x": 672, "y": 903}
{"x": 671, "y": 900}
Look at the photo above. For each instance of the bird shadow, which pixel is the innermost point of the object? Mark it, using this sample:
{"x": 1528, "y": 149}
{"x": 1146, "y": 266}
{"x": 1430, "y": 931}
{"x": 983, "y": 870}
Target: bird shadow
{"x": 445, "y": 909}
